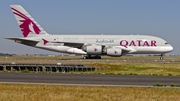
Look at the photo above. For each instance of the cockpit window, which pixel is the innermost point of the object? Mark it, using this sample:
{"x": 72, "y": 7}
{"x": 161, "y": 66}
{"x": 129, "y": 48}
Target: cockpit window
{"x": 166, "y": 43}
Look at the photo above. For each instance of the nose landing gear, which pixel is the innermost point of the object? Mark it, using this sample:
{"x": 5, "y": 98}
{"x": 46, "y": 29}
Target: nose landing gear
{"x": 161, "y": 57}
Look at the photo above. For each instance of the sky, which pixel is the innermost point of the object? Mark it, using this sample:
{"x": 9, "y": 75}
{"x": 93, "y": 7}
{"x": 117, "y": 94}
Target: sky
{"x": 159, "y": 18}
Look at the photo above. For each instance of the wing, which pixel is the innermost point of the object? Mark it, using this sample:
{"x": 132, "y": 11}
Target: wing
{"x": 125, "y": 50}
{"x": 30, "y": 42}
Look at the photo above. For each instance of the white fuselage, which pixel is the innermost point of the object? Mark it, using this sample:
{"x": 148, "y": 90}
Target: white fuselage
{"x": 136, "y": 44}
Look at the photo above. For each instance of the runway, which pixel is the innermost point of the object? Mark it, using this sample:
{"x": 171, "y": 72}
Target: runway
{"x": 88, "y": 79}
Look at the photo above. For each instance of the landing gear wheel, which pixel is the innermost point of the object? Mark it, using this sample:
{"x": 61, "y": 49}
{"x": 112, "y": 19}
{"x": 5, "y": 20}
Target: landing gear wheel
{"x": 99, "y": 57}
{"x": 161, "y": 57}
{"x": 85, "y": 57}
{"x": 92, "y": 57}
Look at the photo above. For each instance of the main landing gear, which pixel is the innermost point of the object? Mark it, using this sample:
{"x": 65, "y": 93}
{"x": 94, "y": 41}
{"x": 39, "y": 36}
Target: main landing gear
{"x": 92, "y": 57}
{"x": 161, "y": 57}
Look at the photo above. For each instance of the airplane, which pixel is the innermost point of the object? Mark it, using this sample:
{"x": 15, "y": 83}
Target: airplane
{"x": 91, "y": 46}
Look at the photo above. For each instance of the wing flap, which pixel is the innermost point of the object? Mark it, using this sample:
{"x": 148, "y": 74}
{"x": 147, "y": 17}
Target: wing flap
{"x": 24, "y": 41}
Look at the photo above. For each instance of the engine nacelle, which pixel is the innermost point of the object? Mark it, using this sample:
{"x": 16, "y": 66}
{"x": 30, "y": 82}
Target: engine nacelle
{"x": 114, "y": 52}
{"x": 93, "y": 50}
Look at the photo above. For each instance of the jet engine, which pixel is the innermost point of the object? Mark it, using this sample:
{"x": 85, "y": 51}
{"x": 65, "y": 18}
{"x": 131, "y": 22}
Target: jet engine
{"x": 93, "y": 49}
{"x": 114, "y": 52}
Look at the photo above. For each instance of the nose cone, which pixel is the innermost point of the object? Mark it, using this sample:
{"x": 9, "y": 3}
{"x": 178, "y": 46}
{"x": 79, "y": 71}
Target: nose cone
{"x": 170, "y": 48}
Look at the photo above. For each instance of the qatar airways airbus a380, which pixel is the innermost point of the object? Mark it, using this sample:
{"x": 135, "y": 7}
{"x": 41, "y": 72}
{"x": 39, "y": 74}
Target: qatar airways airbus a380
{"x": 91, "y": 46}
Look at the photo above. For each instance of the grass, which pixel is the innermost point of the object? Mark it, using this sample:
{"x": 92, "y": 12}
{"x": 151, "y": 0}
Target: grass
{"x": 19, "y": 57}
{"x": 175, "y": 85}
{"x": 155, "y": 69}
{"x": 10, "y": 92}
{"x": 134, "y": 65}
{"x": 25, "y": 71}
{"x": 159, "y": 85}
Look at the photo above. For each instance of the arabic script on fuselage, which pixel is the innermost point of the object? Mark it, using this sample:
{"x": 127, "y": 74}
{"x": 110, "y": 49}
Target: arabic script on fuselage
{"x": 104, "y": 40}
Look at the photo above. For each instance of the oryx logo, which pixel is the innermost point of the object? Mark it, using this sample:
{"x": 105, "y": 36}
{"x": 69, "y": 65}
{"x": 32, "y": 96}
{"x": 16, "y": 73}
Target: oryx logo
{"x": 95, "y": 49}
{"x": 115, "y": 52}
{"x": 27, "y": 25}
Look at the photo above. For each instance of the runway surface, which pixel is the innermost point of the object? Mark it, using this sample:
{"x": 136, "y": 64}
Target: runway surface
{"x": 89, "y": 79}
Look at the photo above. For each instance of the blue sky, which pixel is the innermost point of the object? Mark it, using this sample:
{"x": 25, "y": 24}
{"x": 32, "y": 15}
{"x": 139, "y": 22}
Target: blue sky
{"x": 150, "y": 17}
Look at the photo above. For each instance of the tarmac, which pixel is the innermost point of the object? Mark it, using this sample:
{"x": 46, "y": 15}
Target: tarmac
{"x": 87, "y": 79}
